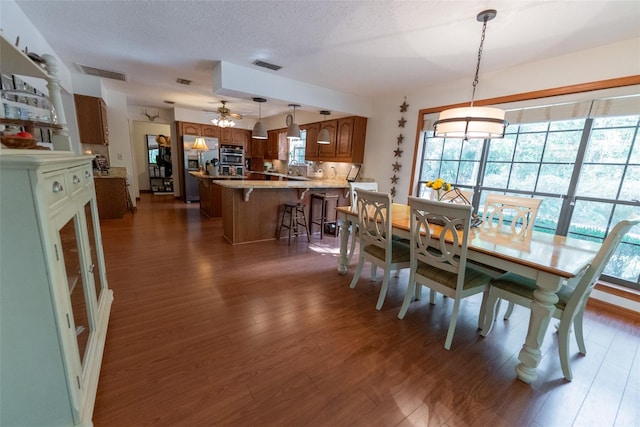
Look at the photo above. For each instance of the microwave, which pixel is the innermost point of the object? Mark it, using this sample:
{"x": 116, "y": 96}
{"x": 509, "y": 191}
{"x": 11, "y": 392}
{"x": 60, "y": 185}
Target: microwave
{"x": 231, "y": 170}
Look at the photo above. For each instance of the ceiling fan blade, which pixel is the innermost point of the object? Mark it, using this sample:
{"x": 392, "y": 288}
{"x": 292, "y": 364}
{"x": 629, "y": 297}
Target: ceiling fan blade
{"x": 235, "y": 116}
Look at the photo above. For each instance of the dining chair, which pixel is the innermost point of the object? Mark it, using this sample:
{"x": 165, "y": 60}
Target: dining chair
{"x": 353, "y": 194}
{"x": 377, "y": 245}
{"x": 439, "y": 261}
{"x": 519, "y": 212}
{"x": 572, "y": 296}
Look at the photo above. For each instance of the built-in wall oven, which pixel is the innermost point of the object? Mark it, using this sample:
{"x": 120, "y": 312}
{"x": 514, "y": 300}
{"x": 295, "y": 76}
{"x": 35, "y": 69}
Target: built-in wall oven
{"x": 231, "y": 160}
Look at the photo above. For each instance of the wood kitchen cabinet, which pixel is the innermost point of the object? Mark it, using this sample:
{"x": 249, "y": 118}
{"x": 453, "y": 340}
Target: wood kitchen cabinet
{"x": 92, "y": 120}
{"x": 234, "y": 136}
{"x": 210, "y": 131}
{"x": 190, "y": 129}
{"x": 346, "y": 136}
{"x": 56, "y": 302}
{"x": 311, "y": 143}
{"x": 277, "y": 147}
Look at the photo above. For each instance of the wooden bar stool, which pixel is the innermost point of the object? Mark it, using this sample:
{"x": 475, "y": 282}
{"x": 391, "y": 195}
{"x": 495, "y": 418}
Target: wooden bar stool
{"x": 322, "y": 220}
{"x": 296, "y": 218}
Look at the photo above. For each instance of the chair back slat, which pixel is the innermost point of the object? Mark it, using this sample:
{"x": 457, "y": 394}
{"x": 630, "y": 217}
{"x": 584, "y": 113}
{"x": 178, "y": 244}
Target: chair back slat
{"x": 448, "y": 250}
{"x": 353, "y": 186}
{"x": 374, "y": 219}
{"x": 520, "y": 211}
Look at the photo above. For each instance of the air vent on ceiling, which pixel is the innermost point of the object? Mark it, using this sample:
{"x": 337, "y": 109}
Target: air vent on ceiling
{"x": 183, "y": 81}
{"x": 92, "y": 71}
{"x": 266, "y": 65}
{"x": 169, "y": 102}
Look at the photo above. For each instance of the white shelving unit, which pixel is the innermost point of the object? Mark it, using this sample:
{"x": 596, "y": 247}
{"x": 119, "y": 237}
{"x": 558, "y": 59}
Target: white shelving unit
{"x": 55, "y": 301}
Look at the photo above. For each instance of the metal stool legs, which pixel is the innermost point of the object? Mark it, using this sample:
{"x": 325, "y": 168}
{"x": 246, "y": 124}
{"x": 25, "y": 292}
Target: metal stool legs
{"x": 296, "y": 219}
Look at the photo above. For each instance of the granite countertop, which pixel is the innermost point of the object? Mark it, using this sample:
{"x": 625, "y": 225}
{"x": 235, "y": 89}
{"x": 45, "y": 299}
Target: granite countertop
{"x": 282, "y": 175}
{"x": 114, "y": 172}
{"x": 260, "y": 184}
{"x": 200, "y": 175}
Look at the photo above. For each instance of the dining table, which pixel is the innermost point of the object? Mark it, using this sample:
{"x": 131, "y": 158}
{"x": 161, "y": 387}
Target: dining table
{"x": 547, "y": 258}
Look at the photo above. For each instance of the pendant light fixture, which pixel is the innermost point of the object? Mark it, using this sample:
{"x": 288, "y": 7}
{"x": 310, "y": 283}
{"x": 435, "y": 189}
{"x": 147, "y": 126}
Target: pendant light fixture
{"x": 293, "y": 131}
{"x": 259, "y": 129}
{"x": 473, "y": 122}
{"x": 324, "y": 137}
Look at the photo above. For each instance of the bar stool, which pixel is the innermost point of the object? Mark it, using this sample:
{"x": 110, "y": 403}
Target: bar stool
{"x": 296, "y": 218}
{"x": 322, "y": 220}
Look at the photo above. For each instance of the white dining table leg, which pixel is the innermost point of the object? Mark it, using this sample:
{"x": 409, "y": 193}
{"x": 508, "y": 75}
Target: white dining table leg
{"x": 542, "y": 309}
{"x": 345, "y": 229}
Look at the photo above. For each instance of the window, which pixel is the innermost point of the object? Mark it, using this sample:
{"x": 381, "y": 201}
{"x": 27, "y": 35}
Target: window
{"x": 297, "y": 149}
{"x": 586, "y": 170}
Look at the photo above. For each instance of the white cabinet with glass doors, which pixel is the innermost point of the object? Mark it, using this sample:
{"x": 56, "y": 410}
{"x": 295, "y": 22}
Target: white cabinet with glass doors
{"x": 54, "y": 297}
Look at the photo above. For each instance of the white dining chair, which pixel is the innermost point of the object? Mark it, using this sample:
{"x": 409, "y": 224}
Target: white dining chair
{"x": 377, "y": 245}
{"x": 519, "y": 213}
{"x": 572, "y": 297}
{"x": 353, "y": 195}
{"x": 440, "y": 262}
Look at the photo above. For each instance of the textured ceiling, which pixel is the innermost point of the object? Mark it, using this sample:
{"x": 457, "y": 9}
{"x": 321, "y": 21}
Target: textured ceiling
{"x": 365, "y": 48}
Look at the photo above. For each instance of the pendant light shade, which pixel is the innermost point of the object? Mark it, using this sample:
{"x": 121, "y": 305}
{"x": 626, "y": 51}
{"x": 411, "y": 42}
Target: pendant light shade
{"x": 473, "y": 122}
{"x": 259, "y": 129}
{"x": 293, "y": 131}
{"x": 324, "y": 137}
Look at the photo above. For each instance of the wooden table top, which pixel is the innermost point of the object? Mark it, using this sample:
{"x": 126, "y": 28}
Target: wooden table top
{"x": 558, "y": 255}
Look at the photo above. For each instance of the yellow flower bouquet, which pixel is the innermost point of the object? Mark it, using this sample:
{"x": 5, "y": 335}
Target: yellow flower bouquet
{"x": 440, "y": 186}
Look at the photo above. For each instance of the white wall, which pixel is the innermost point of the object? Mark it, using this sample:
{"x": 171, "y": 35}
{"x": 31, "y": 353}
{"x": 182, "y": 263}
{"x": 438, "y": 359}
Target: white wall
{"x": 607, "y": 62}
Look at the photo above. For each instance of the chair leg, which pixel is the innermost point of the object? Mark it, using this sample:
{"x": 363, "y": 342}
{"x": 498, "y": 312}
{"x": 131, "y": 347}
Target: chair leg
{"x": 383, "y": 289}
{"x": 483, "y": 308}
{"x": 432, "y": 296}
{"x": 509, "y": 311}
{"x": 408, "y": 295}
{"x": 291, "y": 222}
{"x": 491, "y": 311}
{"x": 577, "y": 325}
{"x": 356, "y": 275}
{"x": 374, "y": 272}
{"x": 563, "y": 347}
{"x": 306, "y": 224}
{"x": 284, "y": 211}
{"x": 452, "y": 324}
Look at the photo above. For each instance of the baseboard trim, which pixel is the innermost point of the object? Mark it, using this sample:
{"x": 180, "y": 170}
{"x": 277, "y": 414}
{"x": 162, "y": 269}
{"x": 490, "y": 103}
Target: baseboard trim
{"x": 616, "y": 299}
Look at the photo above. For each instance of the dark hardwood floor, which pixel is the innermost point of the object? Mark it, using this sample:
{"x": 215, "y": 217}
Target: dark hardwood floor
{"x": 204, "y": 333}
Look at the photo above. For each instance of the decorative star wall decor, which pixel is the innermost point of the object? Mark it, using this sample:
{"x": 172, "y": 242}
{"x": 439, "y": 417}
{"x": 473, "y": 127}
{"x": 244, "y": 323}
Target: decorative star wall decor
{"x": 398, "y": 152}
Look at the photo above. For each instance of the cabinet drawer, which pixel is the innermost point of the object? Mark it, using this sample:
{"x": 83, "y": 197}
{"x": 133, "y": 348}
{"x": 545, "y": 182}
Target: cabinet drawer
{"x": 76, "y": 180}
{"x": 55, "y": 188}
{"x": 87, "y": 175}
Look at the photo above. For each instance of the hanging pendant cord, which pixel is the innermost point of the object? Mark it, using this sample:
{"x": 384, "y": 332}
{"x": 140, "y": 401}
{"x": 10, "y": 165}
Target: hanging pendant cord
{"x": 475, "y": 80}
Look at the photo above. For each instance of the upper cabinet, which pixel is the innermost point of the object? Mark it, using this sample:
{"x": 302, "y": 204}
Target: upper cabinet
{"x": 234, "y": 136}
{"x": 277, "y": 147}
{"x": 346, "y": 140}
{"x": 350, "y": 139}
{"x": 190, "y": 129}
{"x": 210, "y": 131}
{"x": 92, "y": 120}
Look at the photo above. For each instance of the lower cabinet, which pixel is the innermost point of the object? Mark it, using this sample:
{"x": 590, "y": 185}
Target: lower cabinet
{"x": 54, "y": 297}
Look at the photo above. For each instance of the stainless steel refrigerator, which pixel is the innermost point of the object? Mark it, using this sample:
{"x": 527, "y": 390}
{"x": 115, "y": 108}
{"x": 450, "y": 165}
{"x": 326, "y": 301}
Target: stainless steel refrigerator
{"x": 192, "y": 193}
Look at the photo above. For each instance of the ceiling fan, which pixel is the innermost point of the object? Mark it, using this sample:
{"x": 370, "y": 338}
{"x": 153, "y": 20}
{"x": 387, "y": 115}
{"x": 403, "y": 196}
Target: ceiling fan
{"x": 224, "y": 116}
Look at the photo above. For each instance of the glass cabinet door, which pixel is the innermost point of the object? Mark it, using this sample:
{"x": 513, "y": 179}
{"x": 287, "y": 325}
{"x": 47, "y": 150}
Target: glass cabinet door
{"x": 93, "y": 230}
{"x": 70, "y": 238}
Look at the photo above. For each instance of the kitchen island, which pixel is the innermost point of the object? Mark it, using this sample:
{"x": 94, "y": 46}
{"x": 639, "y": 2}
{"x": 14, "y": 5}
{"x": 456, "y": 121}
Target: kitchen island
{"x": 210, "y": 195}
{"x": 251, "y": 210}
